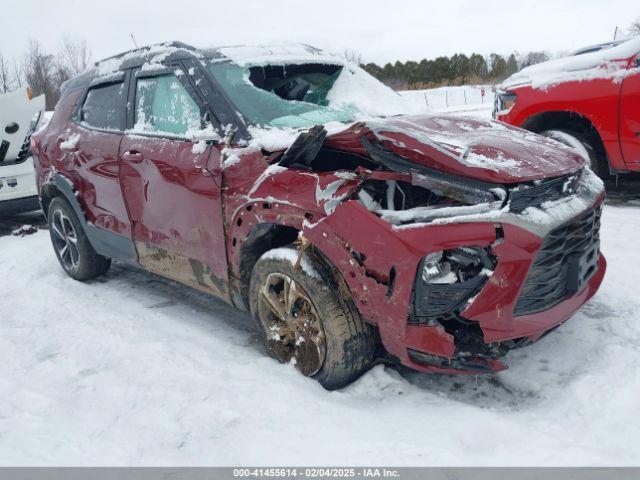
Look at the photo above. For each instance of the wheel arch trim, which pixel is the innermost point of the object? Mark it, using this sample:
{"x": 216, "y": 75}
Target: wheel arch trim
{"x": 105, "y": 242}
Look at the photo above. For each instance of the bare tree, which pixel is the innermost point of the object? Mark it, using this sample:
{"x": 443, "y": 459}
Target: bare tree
{"x": 74, "y": 56}
{"x": 39, "y": 72}
{"x": 352, "y": 56}
{"x": 634, "y": 28}
{"x": 18, "y": 74}
{"x": 5, "y": 78}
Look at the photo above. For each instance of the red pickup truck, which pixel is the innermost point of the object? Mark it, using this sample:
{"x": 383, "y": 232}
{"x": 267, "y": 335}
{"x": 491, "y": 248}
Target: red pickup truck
{"x": 590, "y": 101}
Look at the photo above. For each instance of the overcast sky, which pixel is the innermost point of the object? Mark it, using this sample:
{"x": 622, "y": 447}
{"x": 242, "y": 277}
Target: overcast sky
{"x": 379, "y": 30}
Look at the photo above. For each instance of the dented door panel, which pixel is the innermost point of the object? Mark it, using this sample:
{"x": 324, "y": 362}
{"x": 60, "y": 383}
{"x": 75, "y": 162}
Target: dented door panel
{"x": 176, "y": 210}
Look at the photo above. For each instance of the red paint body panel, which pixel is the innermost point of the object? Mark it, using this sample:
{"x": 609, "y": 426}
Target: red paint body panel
{"x": 188, "y": 205}
{"x": 173, "y": 201}
{"x": 610, "y": 104}
{"x": 630, "y": 119}
{"x": 421, "y": 139}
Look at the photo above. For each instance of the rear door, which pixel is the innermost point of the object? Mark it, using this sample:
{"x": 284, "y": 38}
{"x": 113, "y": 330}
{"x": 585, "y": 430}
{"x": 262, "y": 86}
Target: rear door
{"x": 169, "y": 182}
{"x": 88, "y": 153}
{"x": 630, "y": 116}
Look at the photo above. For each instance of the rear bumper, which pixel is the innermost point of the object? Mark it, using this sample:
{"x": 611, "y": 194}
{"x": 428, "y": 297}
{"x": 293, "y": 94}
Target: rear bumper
{"x": 19, "y": 205}
{"x": 17, "y": 181}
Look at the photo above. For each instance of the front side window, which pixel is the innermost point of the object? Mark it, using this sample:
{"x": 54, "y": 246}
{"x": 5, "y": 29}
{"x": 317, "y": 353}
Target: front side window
{"x": 163, "y": 105}
{"x": 103, "y": 107}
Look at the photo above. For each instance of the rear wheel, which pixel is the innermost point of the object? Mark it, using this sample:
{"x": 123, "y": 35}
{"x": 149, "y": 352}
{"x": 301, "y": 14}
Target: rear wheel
{"x": 71, "y": 245}
{"x": 583, "y": 147}
{"x": 303, "y": 320}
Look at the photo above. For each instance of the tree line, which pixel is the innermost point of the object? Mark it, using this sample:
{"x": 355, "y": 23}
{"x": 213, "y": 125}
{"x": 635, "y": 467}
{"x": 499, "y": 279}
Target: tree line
{"x": 458, "y": 69}
{"x": 43, "y": 71}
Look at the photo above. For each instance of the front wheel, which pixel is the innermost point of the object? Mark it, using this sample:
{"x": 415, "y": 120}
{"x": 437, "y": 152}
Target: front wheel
{"x": 303, "y": 319}
{"x": 71, "y": 245}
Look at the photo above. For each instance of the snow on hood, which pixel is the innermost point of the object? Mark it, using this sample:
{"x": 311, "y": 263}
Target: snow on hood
{"x": 474, "y": 148}
{"x": 606, "y": 63}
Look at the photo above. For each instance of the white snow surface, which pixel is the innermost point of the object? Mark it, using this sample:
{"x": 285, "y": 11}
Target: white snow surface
{"x": 291, "y": 256}
{"x": 70, "y": 142}
{"x": 132, "y": 369}
{"x": 353, "y": 88}
{"x": 606, "y": 63}
{"x": 450, "y": 98}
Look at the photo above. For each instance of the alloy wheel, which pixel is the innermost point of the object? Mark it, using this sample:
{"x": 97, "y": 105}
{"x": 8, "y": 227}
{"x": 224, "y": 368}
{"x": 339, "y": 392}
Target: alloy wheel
{"x": 65, "y": 240}
{"x": 291, "y": 322}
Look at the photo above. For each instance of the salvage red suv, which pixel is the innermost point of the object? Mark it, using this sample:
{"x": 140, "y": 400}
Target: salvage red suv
{"x": 279, "y": 180}
{"x": 590, "y": 101}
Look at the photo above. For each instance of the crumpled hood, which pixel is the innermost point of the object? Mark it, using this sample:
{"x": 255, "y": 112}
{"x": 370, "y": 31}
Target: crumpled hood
{"x": 474, "y": 148}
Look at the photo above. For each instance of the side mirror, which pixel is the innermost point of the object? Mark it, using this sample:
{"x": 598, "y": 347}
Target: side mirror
{"x": 637, "y": 62}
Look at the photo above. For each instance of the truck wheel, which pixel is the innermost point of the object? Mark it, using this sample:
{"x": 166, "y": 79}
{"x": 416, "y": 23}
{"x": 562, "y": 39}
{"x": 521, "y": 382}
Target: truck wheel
{"x": 583, "y": 147}
{"x": 72, "y": 247}
{"x": 303, "y": 319}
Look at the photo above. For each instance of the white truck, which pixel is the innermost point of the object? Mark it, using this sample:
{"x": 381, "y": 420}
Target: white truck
{"x": 20, "y": 116}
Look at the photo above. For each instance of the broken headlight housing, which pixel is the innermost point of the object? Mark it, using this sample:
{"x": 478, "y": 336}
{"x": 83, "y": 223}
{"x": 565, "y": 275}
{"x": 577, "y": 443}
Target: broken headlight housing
{"x": 447, "y": 280}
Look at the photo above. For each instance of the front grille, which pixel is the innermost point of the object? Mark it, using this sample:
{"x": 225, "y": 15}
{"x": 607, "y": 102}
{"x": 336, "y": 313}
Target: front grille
{"x": 567, "y": 259}
{"x": 535, "y": 194}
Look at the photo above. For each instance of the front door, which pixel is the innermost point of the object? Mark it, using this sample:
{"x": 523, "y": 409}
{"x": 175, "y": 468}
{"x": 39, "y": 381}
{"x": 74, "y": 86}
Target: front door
{"x": 173, "y": 198}
{"x": 630, "y": 116}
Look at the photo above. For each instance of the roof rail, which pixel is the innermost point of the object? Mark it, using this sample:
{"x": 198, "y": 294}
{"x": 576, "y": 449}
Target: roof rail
{"x": 173, "y": 43}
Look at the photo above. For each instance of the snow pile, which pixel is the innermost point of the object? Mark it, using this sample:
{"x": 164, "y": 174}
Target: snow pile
{"x": 291, "y": 255}
{"x": 283, "y": 54}
{"x": 71, "y": 142}
{"x": 24, "y": 230}
{"x": 354, "y": 88}
{"x": 550, "y": 213}
{"x": 158, "y": 54}
{"x": 427, "y": 214}
{"x": 134, "y": 369}
{"x": 608, "y": 63}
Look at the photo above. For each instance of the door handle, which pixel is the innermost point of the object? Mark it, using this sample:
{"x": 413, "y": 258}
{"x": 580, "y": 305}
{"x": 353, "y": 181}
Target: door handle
{"x": 132, "y": 156}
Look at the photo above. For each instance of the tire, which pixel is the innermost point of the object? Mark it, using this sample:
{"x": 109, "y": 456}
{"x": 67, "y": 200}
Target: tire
{"x": 583, "y": 147}
{"x": 71, "y": 245}
{"x": 319, "y": 314}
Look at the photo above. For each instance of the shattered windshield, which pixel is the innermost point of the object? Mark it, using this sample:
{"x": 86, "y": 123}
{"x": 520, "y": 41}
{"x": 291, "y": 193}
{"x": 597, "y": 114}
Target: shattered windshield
{"x": 282, "y": 96}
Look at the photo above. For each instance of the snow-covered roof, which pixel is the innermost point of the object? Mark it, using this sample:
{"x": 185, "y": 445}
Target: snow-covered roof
{"x": 604, "y": 63}
{"x": 247, "y": 55}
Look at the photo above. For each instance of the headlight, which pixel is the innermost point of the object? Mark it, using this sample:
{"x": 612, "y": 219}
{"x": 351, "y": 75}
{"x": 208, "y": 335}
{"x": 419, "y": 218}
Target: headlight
{"x": 447, "y": 279}
{"x": 506, "y": 101}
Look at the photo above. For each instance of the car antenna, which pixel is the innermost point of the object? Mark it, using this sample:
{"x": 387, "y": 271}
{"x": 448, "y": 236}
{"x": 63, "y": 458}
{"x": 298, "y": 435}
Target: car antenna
{"x": 134, "y": 40}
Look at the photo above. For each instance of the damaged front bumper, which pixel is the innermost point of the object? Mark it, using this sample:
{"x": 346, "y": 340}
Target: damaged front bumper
{"x": 545, "y": 264}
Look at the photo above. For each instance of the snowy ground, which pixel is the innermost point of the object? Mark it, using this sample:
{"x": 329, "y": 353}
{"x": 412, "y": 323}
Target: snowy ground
{"x": 134, "y": 369}
{"x": 450, "y": 99}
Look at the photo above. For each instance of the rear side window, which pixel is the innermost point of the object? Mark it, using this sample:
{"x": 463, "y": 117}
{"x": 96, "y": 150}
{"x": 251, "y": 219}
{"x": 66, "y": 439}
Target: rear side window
{"x": 163, "y": 105}
{"x": 104, "y": 107}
